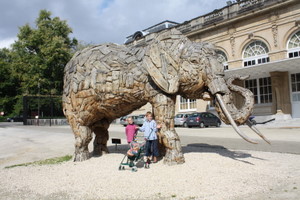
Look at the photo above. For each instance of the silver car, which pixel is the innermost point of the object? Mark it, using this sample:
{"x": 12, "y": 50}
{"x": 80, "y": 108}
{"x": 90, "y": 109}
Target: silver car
{"x": 123, "y": 120}
{"x": 180, "y": 119}
{"x": 139, "y": 120}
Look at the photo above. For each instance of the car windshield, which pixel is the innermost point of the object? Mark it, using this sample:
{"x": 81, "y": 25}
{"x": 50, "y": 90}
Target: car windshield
{"x": 179, "y": 115}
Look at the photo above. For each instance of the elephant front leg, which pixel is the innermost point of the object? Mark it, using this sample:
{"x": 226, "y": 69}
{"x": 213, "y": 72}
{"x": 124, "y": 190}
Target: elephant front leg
{"x": 83, "y": 136}
{"x": 164, "y": 111}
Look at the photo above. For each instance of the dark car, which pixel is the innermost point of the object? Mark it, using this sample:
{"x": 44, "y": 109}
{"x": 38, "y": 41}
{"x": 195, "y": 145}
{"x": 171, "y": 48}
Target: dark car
{"x": 203, "y": 119}
{"x": 180, "y": 119}
{"x": 15, "y": 119}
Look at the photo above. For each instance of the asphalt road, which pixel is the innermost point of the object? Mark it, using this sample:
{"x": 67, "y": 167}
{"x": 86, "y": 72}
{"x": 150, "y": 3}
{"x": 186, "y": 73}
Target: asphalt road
{"x": 283, "y": 140}
{"x": 19, "y": 144}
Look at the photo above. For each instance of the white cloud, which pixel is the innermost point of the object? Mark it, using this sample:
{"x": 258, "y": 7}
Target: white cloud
{"x": 100, "y": 21}
{"x": 7, "y": 42}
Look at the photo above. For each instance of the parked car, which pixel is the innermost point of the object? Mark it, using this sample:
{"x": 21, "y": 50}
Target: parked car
{"x": 15, "y": 119}
{"x": 180, "y": 119}
{"x": 139, "y": 120}
{"x": 123, "y": 120}
{"x": 203, "y": 119}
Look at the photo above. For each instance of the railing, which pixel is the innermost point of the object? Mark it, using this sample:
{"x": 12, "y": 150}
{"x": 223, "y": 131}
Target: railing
{"x": 225, "y": 13}
{"x": 249, "y": 3}
{"x": 47, "y": 122}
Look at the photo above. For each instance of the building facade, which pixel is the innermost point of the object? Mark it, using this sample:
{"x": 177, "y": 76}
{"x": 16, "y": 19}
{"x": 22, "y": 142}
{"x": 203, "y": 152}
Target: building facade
{"x": 259, "y": 39}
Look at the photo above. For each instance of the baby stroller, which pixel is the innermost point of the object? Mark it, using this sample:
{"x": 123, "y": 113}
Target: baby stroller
{"x": 136, "y": 157}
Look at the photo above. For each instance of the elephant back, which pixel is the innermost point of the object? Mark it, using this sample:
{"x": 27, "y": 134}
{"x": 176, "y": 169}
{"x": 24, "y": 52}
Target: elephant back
{"x": 82, "y": 70}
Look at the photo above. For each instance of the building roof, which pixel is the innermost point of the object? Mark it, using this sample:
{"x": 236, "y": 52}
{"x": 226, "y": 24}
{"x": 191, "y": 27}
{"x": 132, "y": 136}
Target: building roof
{"x": 152, "y": 29}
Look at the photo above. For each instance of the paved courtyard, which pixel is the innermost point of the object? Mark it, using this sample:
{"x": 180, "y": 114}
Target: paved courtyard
{"x": 215, "y": 158}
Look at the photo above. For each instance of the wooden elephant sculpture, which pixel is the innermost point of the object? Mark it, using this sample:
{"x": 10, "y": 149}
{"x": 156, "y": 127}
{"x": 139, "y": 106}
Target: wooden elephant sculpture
{"x": 105, "y": 82}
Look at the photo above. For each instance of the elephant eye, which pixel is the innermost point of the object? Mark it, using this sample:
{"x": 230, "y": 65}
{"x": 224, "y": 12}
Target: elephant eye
{"x": 194, "y": 61}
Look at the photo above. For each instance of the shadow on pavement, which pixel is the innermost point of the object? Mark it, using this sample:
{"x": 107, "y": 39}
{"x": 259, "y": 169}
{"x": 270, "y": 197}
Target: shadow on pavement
{"x": 206, "y": 148}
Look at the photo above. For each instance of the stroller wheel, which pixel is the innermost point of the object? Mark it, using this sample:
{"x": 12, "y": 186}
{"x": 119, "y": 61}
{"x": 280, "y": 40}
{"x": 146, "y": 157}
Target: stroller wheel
{"x": 123, "y": 168}
{"x": 120, "y": 168}
{"x": 134, "y": 169}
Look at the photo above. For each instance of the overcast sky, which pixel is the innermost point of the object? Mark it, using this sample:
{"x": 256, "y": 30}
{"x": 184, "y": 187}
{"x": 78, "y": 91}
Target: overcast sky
{"x": 100, "y": 21}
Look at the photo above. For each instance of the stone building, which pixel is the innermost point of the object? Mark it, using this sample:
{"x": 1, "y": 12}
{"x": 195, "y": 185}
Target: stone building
{"x": 260, "y": 38}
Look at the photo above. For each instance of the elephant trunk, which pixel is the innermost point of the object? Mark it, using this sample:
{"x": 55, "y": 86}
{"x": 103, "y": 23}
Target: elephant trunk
{"x": 241, "y": 115}
{"x": 225, "y": 106}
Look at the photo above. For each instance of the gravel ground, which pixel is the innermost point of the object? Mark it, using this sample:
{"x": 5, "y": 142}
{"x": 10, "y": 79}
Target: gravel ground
{"x": 207, "y": 174}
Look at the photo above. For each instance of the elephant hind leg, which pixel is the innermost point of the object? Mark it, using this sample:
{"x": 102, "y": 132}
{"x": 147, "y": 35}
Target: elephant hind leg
{"x": 101, "y": 137}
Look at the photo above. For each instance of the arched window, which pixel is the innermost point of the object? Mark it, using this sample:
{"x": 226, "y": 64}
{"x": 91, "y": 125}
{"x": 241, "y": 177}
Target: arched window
{"x": 294, "y": 45}
{"x": 256, "y": 53}
{"x": 222, "y": 58}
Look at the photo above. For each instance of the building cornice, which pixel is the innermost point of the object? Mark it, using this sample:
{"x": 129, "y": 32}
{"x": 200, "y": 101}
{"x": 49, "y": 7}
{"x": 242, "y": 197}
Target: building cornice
{"x": 232, "y": 14}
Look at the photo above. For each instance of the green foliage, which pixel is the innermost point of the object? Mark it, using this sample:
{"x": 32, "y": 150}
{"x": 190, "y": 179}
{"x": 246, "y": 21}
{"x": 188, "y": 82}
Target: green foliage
{"x": 50, "y": 161}
{"x": 82, "y": 45}
{"x": 41, "y": 54}
{"x": 8, "y": 82}
{"x": 36, "y": 61}
{"x": 3, "y": 119}
{"x": 46, "y": 105}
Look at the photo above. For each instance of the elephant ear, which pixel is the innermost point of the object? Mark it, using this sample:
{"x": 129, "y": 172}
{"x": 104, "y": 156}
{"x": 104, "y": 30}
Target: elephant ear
{"x": 162, "y": 68}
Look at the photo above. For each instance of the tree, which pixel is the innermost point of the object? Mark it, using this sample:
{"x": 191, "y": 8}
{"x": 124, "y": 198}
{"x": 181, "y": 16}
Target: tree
{"x": 8, "y": 82}
{"x": 41, "y": 53}
{"x": 82, "y": 45}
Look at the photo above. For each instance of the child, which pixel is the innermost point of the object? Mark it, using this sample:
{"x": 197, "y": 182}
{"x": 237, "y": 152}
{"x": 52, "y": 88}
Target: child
{"x": 130, "y": 130}
{"x": 150, "y": 128}
{"x": 133, "y": 151}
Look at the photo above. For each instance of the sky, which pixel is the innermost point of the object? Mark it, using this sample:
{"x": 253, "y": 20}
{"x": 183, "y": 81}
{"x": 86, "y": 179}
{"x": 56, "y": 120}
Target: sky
{"x": 100, "y": 21}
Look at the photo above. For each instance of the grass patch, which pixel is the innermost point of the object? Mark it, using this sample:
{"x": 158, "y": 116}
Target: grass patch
{"x": 50, "y": 161}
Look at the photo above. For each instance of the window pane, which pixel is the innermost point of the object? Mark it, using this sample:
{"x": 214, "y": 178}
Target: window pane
{"x": 293, "y": 77}
{"x": 255, "y": 91}
{"x": 262, "y": 99}
{"x": 255, "y": 100}
{"x": 265, "y": 89}
{"x": 298, "y": 77}
{"x": 294, "y": 87}
{"x": 294, "y": 41}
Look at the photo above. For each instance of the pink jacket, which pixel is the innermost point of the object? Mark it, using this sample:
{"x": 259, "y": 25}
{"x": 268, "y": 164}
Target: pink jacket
{"x": 130, "y": 132}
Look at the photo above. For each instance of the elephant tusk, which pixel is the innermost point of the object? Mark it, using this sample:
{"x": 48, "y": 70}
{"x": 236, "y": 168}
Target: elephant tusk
{"x": 257, "y": 131}
{"x": 232, "y": 121}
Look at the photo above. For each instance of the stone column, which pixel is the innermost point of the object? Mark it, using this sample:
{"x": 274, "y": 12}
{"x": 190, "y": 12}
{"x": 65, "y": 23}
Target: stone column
{"x": 280, "y": 93}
